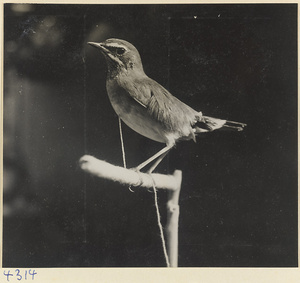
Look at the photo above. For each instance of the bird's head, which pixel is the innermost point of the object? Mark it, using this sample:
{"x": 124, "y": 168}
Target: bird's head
{"x": 119, "y": 54}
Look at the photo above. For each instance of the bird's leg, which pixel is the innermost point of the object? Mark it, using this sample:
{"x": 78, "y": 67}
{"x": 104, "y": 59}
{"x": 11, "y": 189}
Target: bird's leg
{"x": 156, "y": 155}
{"x": 159, "y": 159}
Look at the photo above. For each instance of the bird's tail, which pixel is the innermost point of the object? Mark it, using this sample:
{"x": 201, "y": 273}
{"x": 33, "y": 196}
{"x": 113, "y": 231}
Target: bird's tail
{"x": 236, "y": 126}
{"x": 208, "y": 124}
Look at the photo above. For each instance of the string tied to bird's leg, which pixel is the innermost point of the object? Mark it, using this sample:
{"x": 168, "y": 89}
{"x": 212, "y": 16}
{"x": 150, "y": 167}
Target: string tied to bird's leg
{"x": 159, "y": 222}
{"x": 124, "y": 155}
{"x": 159, "y": 159}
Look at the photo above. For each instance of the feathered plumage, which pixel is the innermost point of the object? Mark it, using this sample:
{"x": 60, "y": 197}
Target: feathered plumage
{"x": 146, "y": 106}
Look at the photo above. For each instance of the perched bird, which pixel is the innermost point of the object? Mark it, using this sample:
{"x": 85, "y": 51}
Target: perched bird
{"x": 146, "y": 106}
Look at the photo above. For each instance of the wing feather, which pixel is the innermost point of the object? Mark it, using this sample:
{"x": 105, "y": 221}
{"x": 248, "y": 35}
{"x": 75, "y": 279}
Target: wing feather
{"x": 162, "y": 105}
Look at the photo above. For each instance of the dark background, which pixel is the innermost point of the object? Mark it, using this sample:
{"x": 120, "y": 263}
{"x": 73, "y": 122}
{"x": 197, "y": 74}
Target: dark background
{"x": 239, "y": 193}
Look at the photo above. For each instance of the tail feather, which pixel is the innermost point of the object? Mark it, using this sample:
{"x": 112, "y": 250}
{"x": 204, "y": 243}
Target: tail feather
{"x": 209, "y": 124}
{"x": 234, "y": 125}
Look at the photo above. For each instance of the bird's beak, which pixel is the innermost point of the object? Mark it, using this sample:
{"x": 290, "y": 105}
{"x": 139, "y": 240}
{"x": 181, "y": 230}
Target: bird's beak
{"x": 97, "y": 45}
{"x": 105, "y": 51}
{"x": 100, "y": 46}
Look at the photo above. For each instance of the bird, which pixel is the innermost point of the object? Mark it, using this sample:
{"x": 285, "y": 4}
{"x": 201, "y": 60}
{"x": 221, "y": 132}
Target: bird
{"x": 146, "y": 106}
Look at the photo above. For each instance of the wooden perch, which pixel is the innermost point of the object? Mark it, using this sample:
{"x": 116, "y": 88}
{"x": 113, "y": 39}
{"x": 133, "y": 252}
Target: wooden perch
{"x": 130, "y": 177}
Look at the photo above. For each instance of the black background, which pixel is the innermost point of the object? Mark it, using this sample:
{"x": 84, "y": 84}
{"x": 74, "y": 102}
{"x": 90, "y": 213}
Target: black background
{"x": 239, "y": 193}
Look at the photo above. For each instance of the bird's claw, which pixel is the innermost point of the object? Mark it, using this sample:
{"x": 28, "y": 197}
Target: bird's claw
{"x": 140, "y": 181}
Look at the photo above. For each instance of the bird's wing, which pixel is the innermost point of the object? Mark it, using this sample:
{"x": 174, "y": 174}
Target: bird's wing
{"x": 161, "y": 104}
{"x": 140, "y": 91}
{"x": 140, "y": 102}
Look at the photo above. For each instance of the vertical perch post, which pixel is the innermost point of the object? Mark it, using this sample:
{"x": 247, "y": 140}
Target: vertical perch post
{"x": 172, "y": 220}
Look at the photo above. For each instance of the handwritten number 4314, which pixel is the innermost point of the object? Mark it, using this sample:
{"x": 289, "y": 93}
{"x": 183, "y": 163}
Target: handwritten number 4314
{"x": 26, "y": 274}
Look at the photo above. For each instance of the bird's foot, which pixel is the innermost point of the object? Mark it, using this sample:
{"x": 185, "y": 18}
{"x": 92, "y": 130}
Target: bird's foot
{"x": 140, "y": 180}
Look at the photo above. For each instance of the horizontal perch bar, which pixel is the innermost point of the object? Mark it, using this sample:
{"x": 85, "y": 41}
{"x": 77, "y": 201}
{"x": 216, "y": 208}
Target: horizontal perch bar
{"x": 129, "y": 177}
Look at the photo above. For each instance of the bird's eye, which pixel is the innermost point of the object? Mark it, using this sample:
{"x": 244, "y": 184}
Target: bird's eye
{"x": 120, "y": 50}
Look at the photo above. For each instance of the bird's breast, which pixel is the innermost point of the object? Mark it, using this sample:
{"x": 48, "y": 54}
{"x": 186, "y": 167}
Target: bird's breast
{"x": 134, "y": 114}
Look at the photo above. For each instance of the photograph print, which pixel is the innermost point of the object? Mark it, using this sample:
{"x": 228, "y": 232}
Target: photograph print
{"x": 208, "y": 90}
